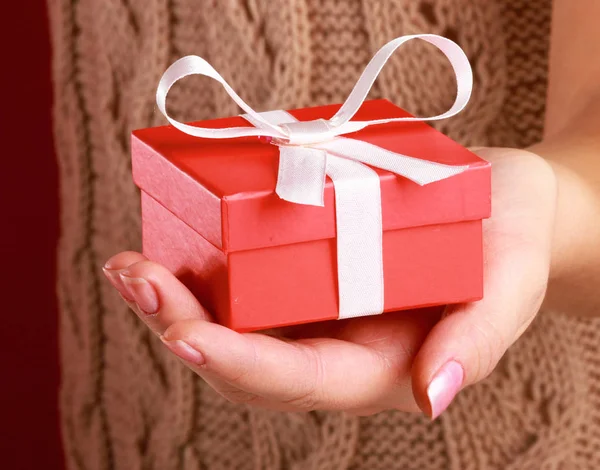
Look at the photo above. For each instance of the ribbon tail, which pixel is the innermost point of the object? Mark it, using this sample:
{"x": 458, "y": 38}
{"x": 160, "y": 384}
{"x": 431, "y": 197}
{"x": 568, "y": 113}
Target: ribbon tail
{"x": 301, "y": 175}
{"x": 359, "y": 237}
{"x": 421, "y": 172}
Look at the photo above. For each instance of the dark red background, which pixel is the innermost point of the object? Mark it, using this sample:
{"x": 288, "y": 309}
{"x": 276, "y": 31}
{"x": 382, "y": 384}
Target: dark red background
{"x": 29, "y": 425}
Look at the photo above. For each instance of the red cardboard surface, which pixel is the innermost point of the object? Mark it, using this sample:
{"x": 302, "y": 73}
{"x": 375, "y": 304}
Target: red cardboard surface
{"x": 225, "y": 189}
{"x": 293, "y": 284}
{"x": 211, "y": 215}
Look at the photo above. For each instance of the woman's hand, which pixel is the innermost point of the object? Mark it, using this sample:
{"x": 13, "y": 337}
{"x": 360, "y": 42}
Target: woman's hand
{"x": 407, "y": 360}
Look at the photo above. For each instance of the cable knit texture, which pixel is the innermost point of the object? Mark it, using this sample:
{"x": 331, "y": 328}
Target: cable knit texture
{"x": 125, "y": 402}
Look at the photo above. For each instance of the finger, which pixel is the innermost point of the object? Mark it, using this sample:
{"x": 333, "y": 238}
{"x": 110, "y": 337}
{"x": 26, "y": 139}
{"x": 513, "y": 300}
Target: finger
{"x": 308, "y": 374}
{"x": 123, "y": 260}
{"x": 161, "y": 301}
{"x": 115, "y": 265}
{"x": 465, "y": 346}
{"x": 161, "y": 298}
{"x": 395, "y": 337}
{"x": 468, "y": 342}
{"x": 158, "y": 298}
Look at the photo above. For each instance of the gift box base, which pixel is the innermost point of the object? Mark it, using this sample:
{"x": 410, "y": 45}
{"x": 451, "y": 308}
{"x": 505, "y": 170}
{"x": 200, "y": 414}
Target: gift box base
{"x": 297, "y": 283}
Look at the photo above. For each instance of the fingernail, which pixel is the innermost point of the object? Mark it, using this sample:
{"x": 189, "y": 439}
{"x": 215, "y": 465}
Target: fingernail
{"x": 183, "y": 350}
{"x": 142, "y": 293}
{"x": 113, "y": 276}
{"x": 443, "y": 388}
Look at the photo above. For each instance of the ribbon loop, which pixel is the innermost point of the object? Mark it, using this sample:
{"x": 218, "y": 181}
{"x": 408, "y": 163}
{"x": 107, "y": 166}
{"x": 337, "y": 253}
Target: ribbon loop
{"x": 458, "y": 60}
{"x": 194, "y": 65}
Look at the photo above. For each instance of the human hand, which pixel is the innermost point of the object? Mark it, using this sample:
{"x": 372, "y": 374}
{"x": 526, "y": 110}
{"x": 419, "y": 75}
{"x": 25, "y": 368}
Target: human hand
{"x": 407, "y": 360}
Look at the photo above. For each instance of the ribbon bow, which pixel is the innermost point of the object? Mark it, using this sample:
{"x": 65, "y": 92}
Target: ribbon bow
{"x": 311, "y": 150}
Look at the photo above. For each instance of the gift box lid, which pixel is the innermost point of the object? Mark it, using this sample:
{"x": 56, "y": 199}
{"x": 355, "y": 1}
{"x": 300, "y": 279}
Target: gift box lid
{"x": 225, "y": 189}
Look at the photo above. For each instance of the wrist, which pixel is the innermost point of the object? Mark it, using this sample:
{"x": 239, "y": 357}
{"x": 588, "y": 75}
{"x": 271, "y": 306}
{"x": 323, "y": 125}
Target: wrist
{"x": 575, "y": 254}
{"x": 563, "y": 249}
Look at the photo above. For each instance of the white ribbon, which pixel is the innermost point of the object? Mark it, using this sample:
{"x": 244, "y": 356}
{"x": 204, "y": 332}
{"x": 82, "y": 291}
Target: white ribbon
{"x": 311, "y": 150}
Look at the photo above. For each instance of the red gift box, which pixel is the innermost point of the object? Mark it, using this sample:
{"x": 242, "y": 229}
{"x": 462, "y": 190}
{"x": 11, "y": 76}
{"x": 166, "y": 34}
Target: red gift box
{"x": 211, "y": 216}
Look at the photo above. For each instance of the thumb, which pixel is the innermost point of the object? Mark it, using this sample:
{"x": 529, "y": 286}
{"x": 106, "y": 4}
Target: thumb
{"x": 469, "y": 340}
{"x": 463, "y": 348}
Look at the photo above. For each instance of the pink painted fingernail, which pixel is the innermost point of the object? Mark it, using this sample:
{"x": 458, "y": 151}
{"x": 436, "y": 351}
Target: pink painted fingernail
{"x": 113, "y": 276}
{"x": 443, "y": 388}
{"x": 184, "y": 351}
{"x": 142, "y": 293}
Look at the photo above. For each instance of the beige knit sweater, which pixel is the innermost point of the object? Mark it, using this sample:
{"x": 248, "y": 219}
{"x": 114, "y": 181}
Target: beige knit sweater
{"x": 125, "y": 402}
